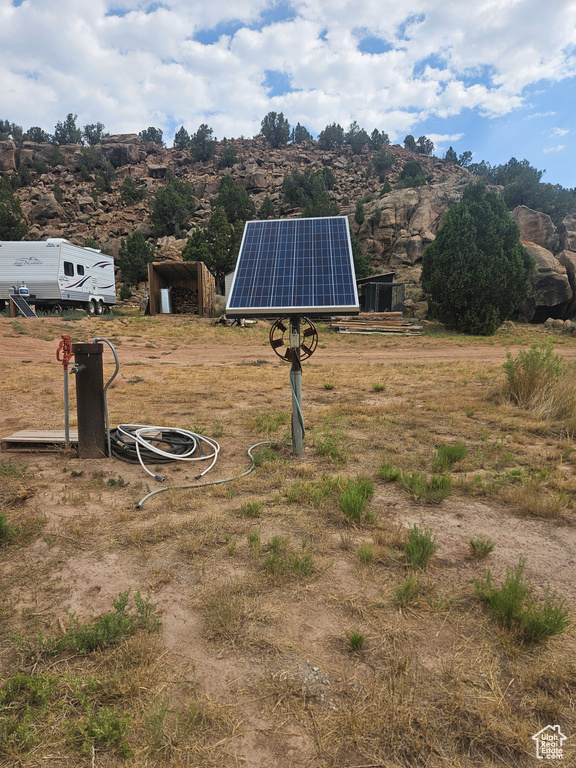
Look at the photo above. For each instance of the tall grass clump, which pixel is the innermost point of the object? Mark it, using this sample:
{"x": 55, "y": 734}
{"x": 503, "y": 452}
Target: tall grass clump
{"x": 419, "y": 546}
{"x": 431, "y": 490}
{"x": 448, "y": 455}
{"x": 354, "y": 498}
{"x": 8, "y": 530}
{"x": 481, "y": 547}
{"x": 281, "y": 560}
{"x": 532, "y": 373}
{"x": 407, "y": 590}
{"x": 388, "y": 472}
{"x": 331, "y": 444}
{"x": 513, "y": 606}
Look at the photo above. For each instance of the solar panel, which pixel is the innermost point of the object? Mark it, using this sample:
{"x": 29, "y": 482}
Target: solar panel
{"x": 294, "y": 267}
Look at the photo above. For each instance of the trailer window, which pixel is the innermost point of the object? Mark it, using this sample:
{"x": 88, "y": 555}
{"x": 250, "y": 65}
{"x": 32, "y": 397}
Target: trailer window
{"x": 80, "y": 269}
{"x": 68, "y": 269}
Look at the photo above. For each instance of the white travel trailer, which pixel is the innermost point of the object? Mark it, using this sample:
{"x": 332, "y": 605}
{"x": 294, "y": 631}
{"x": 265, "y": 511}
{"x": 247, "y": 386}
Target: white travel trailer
{"x": 55, "y": 273}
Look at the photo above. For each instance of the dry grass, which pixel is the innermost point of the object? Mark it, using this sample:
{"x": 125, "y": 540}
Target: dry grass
{"x": 253, "y": 664}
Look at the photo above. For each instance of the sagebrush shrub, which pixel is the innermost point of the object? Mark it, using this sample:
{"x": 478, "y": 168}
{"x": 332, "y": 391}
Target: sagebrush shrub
{"x": 512, "y": 605}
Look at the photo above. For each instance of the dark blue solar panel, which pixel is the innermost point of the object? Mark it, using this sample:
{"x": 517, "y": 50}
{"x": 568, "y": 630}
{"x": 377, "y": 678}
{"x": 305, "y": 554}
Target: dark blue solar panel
{"x": 294, "y": 266}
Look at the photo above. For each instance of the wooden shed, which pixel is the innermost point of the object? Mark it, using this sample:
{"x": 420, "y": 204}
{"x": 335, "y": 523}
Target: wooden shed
{"x": 190, "y": 284}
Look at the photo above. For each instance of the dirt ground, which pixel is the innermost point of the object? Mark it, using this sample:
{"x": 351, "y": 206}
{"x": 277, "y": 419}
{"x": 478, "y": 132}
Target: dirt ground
{"x": 95, "y": 543}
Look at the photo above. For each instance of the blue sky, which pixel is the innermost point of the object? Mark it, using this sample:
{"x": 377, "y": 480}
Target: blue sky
{"x": 496, "y": 77}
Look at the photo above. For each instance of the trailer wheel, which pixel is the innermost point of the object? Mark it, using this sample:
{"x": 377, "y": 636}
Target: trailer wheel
{"x": 91, "y": 308}
{"x": 99, "y": 307}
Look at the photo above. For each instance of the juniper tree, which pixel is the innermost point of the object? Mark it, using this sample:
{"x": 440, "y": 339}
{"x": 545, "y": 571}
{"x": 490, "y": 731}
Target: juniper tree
{"x": 476, "y": 271}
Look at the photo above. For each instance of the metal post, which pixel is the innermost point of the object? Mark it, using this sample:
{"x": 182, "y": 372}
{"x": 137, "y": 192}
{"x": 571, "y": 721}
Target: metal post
{"x": 296, "y": 386}
{"x": 90, "y": 401}
{"x": 66, "y": 409}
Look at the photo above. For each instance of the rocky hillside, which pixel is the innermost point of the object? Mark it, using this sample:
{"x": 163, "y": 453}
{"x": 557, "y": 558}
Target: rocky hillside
{"x": 61, "y": 201}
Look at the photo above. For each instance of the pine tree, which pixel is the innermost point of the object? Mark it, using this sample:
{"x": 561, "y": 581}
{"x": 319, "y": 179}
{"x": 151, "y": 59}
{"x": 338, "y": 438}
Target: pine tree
{"x": 133, "y": 257}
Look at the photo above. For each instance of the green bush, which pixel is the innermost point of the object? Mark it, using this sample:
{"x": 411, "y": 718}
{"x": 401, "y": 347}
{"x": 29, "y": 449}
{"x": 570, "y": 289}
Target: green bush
{"x": 476, "y": 272}
{"x": 125, "y": 292}
{"x": 251, "y": 509}
{"x": 366, "y": 552}
{"x": 8, "y": 531}
{"x": 172, "y": 208}
{"x": 411, "y": 175}
{"x": 354, "y": 498}
{"x": 419, "y": 546}
{"x": 109, "y": 629}
{"x": 447, "y": 455}
{"x": 512, "y": 605}
{"x": 532, "y": 371}
{"x": 131, "y": 192}
{"x": 356, "y": 641}
{"x": 407, "y": 590}
{"x": 203, "y": 144}
{"x": 383, "y": 161}
{"x": 133, "y": 257}
{"x": 281, "y": 561}
{"x": 481, "y": 547}
{"x": 388, "y": 473}
{"x": 228, "y": 155}
{"x": 275, "y": 129}
{"x": 431, "y": 490}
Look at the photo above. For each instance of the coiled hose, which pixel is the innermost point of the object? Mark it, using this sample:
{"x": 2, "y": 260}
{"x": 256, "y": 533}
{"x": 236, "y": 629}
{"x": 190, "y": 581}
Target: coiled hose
{"x": 139, "y": 443}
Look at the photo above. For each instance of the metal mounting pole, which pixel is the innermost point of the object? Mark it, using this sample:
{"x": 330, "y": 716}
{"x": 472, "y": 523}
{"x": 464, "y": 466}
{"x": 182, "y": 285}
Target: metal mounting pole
{"x": 66, "y": 409}
{"x": 296, "y": 386}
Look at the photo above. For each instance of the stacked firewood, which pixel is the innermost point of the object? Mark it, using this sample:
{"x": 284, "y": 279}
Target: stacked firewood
{"x": 184, "y": 301}
{"x": 378, "y": 322}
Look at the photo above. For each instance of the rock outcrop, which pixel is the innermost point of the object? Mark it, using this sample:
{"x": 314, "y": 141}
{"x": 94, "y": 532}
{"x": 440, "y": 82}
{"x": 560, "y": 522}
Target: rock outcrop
{"x": 7, "y": 156}
{"x": 551, "y": 291}
{"x": 536, "y": 227}
{"x": 398, "y": 226}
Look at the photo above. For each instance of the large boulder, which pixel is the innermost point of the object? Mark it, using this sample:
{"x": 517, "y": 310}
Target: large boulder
{"x": 536, "y": 227}
{"x": 551, "y": 294}
{"x": 45, "y": 209}
{"x": 122, "y": 149}
{"x": 7, "y": 156}
{"x": 568, "y": 260}
{"x": 567, "y": 233}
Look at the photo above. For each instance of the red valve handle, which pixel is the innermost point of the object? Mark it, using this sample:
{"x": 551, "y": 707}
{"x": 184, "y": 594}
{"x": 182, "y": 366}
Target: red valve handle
{"x": 65, "y": 347}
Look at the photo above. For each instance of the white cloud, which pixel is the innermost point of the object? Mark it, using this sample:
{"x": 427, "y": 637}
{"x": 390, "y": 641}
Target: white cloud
{"x": 145, "y": 68}
{"x": 559, "y": 132}
{"x": 559, "y": 148}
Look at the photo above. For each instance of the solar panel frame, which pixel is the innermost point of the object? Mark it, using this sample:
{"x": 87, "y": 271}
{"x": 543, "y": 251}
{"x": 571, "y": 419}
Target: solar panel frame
{"x": 294, "y": 267}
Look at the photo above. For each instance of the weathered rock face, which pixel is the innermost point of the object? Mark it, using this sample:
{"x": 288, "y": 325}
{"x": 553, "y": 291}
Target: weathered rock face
{"x": 122, "y": 149}
{"x": 568, "y": 261}
{"x": 31, "y": 150}
{"x": 45, "y": 209}
{"x": 536, "y": 227}
{"x": 551, "y": 291}
{"x": 567, "y": 234}
{"x": 398, "y": 227}
{"x": 7, "y": 156}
